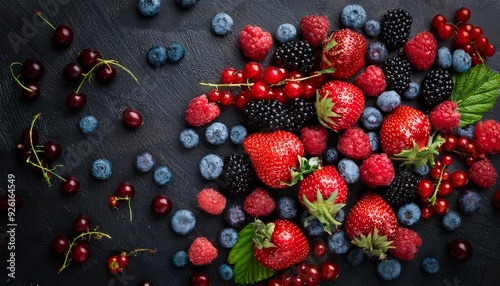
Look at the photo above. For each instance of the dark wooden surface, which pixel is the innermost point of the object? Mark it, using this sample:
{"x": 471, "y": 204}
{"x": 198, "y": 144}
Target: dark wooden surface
{"x": 118, "y": 32}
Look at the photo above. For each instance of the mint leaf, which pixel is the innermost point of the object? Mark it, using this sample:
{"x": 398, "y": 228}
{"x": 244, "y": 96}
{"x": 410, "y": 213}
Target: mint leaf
{"x": 247, "y": 270}
{"x": 475, "y": 93}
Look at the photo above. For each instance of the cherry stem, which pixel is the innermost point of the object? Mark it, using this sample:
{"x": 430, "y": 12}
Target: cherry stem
{"x": 97, "y": 234}
{"x": 39, "y": 14}
{"x": 102, "y": 62}
{"x": 133, "y": 252}
{"x": 128, "y": 199}
{"x": 432, "y": 200}
{"x": 16, "y": 78}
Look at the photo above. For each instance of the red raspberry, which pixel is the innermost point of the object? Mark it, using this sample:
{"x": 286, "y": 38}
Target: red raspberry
{"x": 377, "y": 170}
{"x": 259, "y": 203}
{"x": 202, "y": 252}
{"x": 255, "y": 42}
{"x": 314, "y": 139}
{"x": 487, "y": 137}
{"x": 354, "y": 143}
{"x": 482, "y": 173}
{"x": 371, "y": 81}
{"x": 211, "y": 201}
{"x": 421, "y": 50}
{"x": 314, "y": 29}
{"x": 406, "y": 244}
{"x": 200, "y": 111}
{"x": 445, "y": 116}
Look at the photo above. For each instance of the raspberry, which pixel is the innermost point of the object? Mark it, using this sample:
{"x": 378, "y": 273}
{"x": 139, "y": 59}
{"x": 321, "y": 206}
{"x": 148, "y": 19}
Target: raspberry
{"x": 371, "y": 81}
{"x": 445, "y": 116}
{"x": 482, "y": 173}
{"x": 202, "y": 252}
{"x": 259, "y": 203}
{"x": 377, "y": 170}
{"x": 255, "y": 42}
{"x": 314, "y": 29}
{"x": 354, "y": 143}
{"x": 421, "y": 50}
{"x": 406, "y": 244}
{"x": 211, "y": 201}
{"x": 314, "y": 139}
{"x": 200, "y": 112}
{"x": 487, "y": 137}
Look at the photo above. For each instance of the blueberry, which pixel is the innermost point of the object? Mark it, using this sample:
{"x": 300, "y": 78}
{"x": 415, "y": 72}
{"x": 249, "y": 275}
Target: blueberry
{"x": 237, "y": 134}
{"x": 371, "y": 118}
{"x": 183, "y": 221}
{"x": 102, "y": 169}
{"x": 228, "y": 237}
{"x": 216, "y": 133}
{"x": 148, "y": 8}
{"x": 187, "y": 3}
{"x": 339, "y": 243}
{"x": 389, "y": 269}
{"x": 331, "y": 155}
{"x": 144, "y": 162}
{"x": 226, "y": 272}
{"x": 348, "y": 170}
{"x": 451, "y": 221}
{"x": 286, "y": 208}
{"x": 355, "y": 256}
{"x": 376, "y": 53}
{"x": 162, "y": 175}
{"x": 88, "y": 124}
{"x": 340, "y": 216}
{"x": 444, "y": 57}
{"x": 314, "y": 227}
{"x": 235, "y": 216}
{"x": 285, "y": 33}
{"x": 388, "y": 101}
{"x": 374, "y": 140}
{"x": 373, "y": 28}
{"x": 413, "y": 91}
{"x": 469, "y": 202}
{"x": 222, "y": 23}
{"x": 461, "y": 61}
{"x": 430, "y": 265}
{"x": 210, "y": 166}
{"x": 175, "y": 52}
{"x": 180, "y": 258}
{"x": 157, "y": 56}
{"x": 422, "y": 170}
{"x": 353, "y": 16}
{"x": 189, "y": 138}
{"x": 408, "y": 214}
{"x": 466, "y": 131}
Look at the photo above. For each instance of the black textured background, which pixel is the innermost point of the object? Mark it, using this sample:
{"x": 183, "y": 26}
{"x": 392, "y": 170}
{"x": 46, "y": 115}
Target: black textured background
{"x": 118, "y": 32}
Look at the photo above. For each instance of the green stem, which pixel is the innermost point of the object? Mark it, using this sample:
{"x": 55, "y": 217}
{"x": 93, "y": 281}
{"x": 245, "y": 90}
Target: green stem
{"x": 38, "y": 161}
{"x": 102, "y": 62}
{"x": 129, "y": 209}
{"x": 139, "y": 250}
{"x": 16, "y": 78}
{"x": 39, "y": 14}
{"x": 432, "y": 200}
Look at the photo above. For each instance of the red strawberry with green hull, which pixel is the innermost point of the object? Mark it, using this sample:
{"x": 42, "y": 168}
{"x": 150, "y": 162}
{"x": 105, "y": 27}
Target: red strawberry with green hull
{"x": 323, "y": 193}
{"x": 372, "y": 225}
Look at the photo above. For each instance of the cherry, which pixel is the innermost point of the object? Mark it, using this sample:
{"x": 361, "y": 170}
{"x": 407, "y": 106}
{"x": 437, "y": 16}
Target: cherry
{"x": 70, "y": 185}
{"x": 425, "y": 188}
{"x": 81, "y": 224}
{"x": 252, "y": 70}
{"x": 32, "y": 70}
{"x": 260, "y": 90}
{"x": 123, "y": 260}
{"x": 438, "y": 20}
{"x": 29, "y": 135}
{"x": 105, "y": 73}
{"x": 80, "y": 252}
{"x": 60, "y": 244}
{"x": 214, "y": 95}
{"x": 441, "y": 206}
{"x": 445, "y": 31}
{"x": 132, "y": 118}
{"x": 460, "y": 249}
{"x": 459, "y": 179}
{"x": 113, "y": 266}
{"x": 319, "y": 249}
{"x": 426, "y": 212}
{"x": 200, "y": 279}
{"x": 73, "y": 72}
{"x": 496, "y": 199}
{"x": 463, "y": 14}
{"x": 227, "y": 98}
{"x": 63, "y": 35}
{"x": 275, "y": 281}
{"x": 161, "y": 205}
{"x": 31, "y": 92}
{"x": 293, "y": 89}
{"x": 146, "y": 283}
{"x": 25, "y": 154}
{"x": 329, "y": 270}
{"x": 88, "y": 58}
{"x": 125, "y": 189}
{"x": 76, "y": 101}
{"x": 51, "y": 150}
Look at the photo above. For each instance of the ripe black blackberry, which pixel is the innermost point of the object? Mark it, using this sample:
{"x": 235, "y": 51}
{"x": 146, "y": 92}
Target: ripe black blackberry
{"x": 237, "y": 174}
{"x": 402, "y": 189}
{"x": 266, "y": 115}
{"x": 397, "y": 72}
{"x": 302, "y": 113}
{"x": 296, "y": 56}
{"x": 437, "y": 87}
{"x": 396, "y": 28}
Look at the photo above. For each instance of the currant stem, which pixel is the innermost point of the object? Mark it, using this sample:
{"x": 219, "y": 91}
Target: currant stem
{"x": 128, "y": 199}
{"x": 16, "y": 78}
{"x": 39, "y": 14}
{"x": 432, "y": 200}
{"x": 101, "y": 62}
{"x": 140, "y": 250}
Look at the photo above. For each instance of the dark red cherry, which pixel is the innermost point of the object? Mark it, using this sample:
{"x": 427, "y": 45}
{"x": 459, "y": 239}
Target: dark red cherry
{"x": 123, "y": 260}
{"x": 105, "y": 73}
{"x": 161, "y": 205}
{"x": 132, "y": 118}
{"x": 25, "y": 154}
{"x": 76, "y": 101}
{"x": 200, "y": 279}
{"x": 51, "y": 150}
{"x": 33, "y": 92}
{"x": 60, "y": 244}
{"x": 88, "y": 58}
{"x": 71, "y": 185}
{"x": 7, "y": 203}
{"x": 73, "y": 72}
{"x": 146, "y": 283}
{"x": 29, "y": 135}
{"x": 32, "y": 70}
{"x": 81, "y": 224}
{"x": 80, "y": 252}
{"x": 62, "y": 37}
{"x": 460, "y": 249}
{"x": 125, "y": 189}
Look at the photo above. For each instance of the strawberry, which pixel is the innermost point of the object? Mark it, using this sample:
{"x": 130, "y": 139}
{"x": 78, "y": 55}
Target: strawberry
{"x": 275, "y": 157}
{"x": 339, "y": 104}
{"x": 323, "y": 193}
{"x": 279, "y": 244}
{"x": 314, "y": 29}
{"x": 255, "y": 42}
{"x": 345, "y": 51}
{"x": 421, "y": 50}
{"x": 445, "y": 116}
{"x": 200, "y": 112}
{"x": 372, "y": 225}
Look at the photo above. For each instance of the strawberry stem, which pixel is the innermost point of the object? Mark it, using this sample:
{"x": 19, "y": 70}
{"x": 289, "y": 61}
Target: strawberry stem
{"x": 324, "y": 211}
{"x": 16, "y": 78}
{"x": 306, "y": 166}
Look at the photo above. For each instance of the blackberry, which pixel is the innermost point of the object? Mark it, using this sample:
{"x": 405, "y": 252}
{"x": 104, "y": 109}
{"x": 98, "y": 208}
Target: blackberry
{"x": 266, "y": 115}
{"x": 396, "y": 28}
{"x": 397, "y": 72}
{"x": 402, "y": 189}
{"x": 295, "y": 56}
{"x": 436, "y": 87}
{"x": 302, "y": 113}
{"x": 237, "y": 174}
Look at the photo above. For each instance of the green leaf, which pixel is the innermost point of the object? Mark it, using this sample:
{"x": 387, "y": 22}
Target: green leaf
{"x": 247, "y": 270}
{"x": 475, "y": 93}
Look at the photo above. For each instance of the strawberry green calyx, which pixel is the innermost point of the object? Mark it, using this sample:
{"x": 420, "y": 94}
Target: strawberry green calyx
{"x": 374, "y": 244}
{"x": 329, "y": 45}
{"x": 324, "y": 210}
{"x": 262, "y": 235}
{"x": 306, "y": 166}
{"x": 324, "y": 109}
{"x": 418, "y": 157}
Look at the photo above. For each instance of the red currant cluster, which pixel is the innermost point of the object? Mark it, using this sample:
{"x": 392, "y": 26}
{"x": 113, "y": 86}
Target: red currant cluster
{"x": 256, "y": 83}
{"x": 124, "y": 192}
{"x": 116, "y": 263}
{"x": 468, "y": 37}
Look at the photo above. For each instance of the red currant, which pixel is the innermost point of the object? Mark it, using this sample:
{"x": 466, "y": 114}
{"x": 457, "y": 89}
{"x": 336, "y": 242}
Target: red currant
{"x": 496, "y": 199}
{"x": 295, "y": 75}
{"x": 476, "y": 59}
{"x": 293, "y": 89}
{"x": 227, "y": 75}
{"x": 241, "y": 101}
{"x": 60, "y": 244}
{"x": 445, "y": 189}
{"x": 441, "y": 206}
{"x": 312, "y": 276}
{"x": 463, "y": 37}
{"x": 275, "y": 281}
{"x": 463, "y": 14}
{"x": 214, "y": 95}
{"x": 317, "y": 79}
{"x": 239, "y": 77}
{"x": 309, "y": 91}
{"x": 459, "y": 179}
{"x": 481, "y": 42}
{"x": 451, "y": 143}
{"x": 445, "y": 31}
{"x": 489, "y": 50}
{"x": 447, "y": 160}
{"x": 476, "y": 32}
{"x": 123, "y": 260}
{"x": 132, "y": 118}
{"x": 469, "y": 160}
{"x": 426, "y": 212}
{"x": 462, "y": 144}
{"x": 273, "y": 75}
{"x": 252, "y": 70}
{"x": 438, "y": 20}
{"x": 227, "y": 98}
{"x": 435, "y": 173}
{"x": 329, "y": 270}
{"x": 425, "y": 188}
{"x": 113, "y": 201}
{"x": 260, "y": 90}
{"x": 80, "y": 252}
{"x": 319, "y": 249}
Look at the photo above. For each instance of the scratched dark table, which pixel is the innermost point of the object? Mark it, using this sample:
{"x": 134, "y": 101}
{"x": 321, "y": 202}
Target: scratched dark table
{"x": 118, "y": 32}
